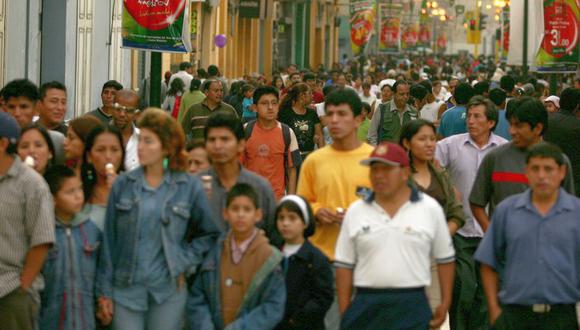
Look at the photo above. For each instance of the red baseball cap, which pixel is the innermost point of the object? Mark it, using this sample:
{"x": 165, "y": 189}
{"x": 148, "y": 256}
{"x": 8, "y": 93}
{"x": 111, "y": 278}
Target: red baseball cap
{"x": 388, "y": 153}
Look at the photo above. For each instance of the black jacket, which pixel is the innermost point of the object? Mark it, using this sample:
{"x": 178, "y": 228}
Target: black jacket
{"x": 310, "y": 290}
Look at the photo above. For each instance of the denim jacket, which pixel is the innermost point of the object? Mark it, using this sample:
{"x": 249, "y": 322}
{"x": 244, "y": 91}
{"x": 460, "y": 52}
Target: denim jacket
{"x": 68, "y": 300}
{"x": 185, "y": 212}
{"x": 262, "y": 306}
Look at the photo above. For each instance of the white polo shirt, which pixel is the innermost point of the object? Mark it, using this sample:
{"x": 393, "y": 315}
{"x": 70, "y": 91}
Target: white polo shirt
{"x": 394, "y": 252}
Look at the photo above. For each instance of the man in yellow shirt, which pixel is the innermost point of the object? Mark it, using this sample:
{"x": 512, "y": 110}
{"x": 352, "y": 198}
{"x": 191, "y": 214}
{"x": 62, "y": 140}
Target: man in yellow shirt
{"x": 331, "y": 178}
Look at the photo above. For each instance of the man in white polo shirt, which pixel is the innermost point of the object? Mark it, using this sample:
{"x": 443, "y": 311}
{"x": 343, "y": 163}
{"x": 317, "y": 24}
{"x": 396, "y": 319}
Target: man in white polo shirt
{"x": 384, "y": 249}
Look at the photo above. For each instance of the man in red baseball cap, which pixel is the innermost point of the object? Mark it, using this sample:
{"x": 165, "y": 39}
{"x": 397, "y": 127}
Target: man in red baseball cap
{"x": 384, "y": 249}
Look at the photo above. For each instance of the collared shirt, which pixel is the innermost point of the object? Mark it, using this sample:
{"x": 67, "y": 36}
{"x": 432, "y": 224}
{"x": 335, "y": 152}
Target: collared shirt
{"x": 131, "y": 156}
{"x": 152, "y": 276}
{"x": 27, "y": 220}
{"x": 538, "y": 257}
{"x": 394, "y": 252}
{"x": 195, "y": 118}
{"x": 453, "y": 121}
{"x": 184, "y": 76}
{"x": 218, "y": 194}
{"x": 461, "y": 156}
{"x": 238, "y": 250}
{"x": 501, "y": 174}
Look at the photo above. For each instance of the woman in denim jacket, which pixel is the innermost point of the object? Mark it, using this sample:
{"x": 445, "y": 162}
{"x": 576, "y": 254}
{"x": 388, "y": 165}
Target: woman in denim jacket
{"x": 151, "y": 210}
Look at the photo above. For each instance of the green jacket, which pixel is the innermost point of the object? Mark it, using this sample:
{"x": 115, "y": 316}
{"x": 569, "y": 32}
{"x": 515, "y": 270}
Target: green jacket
{"x": 386, "y": 124}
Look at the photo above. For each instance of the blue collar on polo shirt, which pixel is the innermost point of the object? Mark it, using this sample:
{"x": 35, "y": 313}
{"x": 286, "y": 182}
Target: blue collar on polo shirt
{"x": 415, "y": 195}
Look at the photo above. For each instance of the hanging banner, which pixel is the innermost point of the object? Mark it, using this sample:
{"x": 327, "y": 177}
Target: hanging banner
{"x": 442, "y": 43}
{"x": 362, "y": 22}
{"x": 424, "y": 36}
{"x": 505, "y": 33}
{"x": 390, "y": 27}
{"x": 157, "y": 25}
{"x": 559, "y": 51}
{"x": 410, "y": 36}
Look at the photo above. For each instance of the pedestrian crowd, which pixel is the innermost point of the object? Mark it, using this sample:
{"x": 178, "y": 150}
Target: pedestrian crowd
{"x": 422, "y": 193}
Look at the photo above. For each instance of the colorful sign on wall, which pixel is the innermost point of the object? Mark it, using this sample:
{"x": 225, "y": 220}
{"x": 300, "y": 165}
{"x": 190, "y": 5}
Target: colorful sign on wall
{"x": 410, "y": 36}
{"x": 158, "y": 25}
{"x": 362, "y": 22}
{"x": 389, "y": 27}
{"x": 560, "y": 51}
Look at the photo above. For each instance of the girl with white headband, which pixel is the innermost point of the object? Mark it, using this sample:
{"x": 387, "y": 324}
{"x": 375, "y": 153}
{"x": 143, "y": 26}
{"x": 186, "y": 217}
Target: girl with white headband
{"x": 307, "y": 270}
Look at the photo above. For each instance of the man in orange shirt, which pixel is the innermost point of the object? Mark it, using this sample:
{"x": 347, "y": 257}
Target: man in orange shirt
{"x": 271, "y": 147}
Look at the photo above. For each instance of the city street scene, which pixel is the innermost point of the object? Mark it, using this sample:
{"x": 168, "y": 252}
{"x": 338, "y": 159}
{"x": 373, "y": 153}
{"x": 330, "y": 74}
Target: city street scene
{"x": 289, "y": 164}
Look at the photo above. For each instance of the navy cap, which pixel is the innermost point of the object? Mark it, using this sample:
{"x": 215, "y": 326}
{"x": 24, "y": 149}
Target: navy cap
{"x": 9, "y": 128}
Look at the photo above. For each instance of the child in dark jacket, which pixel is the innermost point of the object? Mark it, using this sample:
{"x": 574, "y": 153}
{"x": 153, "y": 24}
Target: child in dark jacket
{"x": 308, "y": 273}
{"x": 240, "y": 284}
{"x": 68, "y": 301}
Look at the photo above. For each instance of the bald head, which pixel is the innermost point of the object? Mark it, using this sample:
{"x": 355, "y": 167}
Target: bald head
{"x": 125, "y": 109}
{"x": 129, "y": 96}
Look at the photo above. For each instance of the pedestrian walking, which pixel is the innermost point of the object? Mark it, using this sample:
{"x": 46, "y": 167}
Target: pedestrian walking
{"x": 26, "y": 233}
{"x": 384, "y": 250}
{"x": 68, "y": 300}
{"x": 146, "y": 258}
{"x": 307, "y": 271}
{"x": 240, "y": 284}
{"x": 501, "y": 173}
{"x": 461, "y": 155}
{"x": 533, "y": 242}
{"x": 271, "y": 146}
{"x": 390, "y": 117}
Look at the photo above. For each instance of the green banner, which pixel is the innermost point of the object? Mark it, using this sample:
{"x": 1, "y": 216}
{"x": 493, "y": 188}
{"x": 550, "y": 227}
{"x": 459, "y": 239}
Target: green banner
{"x": 560, "y": 50}
{"x": 158, "y": 25}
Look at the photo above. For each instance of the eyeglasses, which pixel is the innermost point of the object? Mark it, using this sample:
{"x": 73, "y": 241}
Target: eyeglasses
{"x": 122, "y": 108}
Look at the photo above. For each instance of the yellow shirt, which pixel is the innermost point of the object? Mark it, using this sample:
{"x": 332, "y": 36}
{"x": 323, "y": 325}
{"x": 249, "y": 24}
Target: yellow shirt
{"x": 329, "y": 179}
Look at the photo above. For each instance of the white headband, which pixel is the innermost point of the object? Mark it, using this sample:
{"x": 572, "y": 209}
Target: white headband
{"x": 301, "y": 205}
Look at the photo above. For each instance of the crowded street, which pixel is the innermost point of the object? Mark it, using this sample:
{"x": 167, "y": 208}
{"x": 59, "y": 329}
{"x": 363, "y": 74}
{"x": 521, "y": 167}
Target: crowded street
{"x": 275, "y": 164}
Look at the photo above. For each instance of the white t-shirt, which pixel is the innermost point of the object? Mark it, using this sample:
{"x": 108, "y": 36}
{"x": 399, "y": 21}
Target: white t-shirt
{"x": 368, "y": 99}
{"x": 430, "y": 110}
{"x": 393, "y": 252}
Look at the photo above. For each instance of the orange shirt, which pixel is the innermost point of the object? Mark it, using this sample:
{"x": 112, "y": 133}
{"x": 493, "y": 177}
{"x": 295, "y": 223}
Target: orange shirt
{"x": 264, "y": 155}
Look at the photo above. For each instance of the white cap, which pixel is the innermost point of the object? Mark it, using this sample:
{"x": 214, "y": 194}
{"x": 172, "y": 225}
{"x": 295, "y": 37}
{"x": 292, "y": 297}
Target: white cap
{"x": 384, "y": 82}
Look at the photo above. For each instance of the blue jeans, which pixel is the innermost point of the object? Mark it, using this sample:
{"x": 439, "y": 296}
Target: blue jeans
{"x": 167, "y": 315}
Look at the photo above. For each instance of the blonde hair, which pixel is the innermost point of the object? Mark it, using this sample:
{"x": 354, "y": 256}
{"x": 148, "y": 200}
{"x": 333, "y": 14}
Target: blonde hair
{"x": 170, "y": 133}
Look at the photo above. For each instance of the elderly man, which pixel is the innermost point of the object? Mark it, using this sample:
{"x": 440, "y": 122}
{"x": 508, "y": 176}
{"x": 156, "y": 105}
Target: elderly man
{"x": 461, "y": 155}
{"x": 194, "y": 120}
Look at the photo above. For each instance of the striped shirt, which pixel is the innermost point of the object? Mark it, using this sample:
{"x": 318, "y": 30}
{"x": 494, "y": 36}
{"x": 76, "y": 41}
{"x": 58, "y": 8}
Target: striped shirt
{"x": 27, "y": 220}
{"x": 195, "y": 118}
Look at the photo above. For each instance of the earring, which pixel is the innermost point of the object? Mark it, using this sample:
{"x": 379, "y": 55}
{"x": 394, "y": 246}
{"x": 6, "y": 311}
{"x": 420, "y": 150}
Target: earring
{"x": 90, "y": 174}
{"x": 165, "y": 163}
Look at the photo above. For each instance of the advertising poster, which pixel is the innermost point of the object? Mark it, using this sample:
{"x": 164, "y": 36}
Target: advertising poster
{"x": 559, "y": 50}
{"x": 390, "y": 28}
{"x": 410, "y": 36}
{"x": 158, "y": 25}
{"x": 362, "y": 22}
{"x": 424, "y": 36}
{"x": 505, "y": 33}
